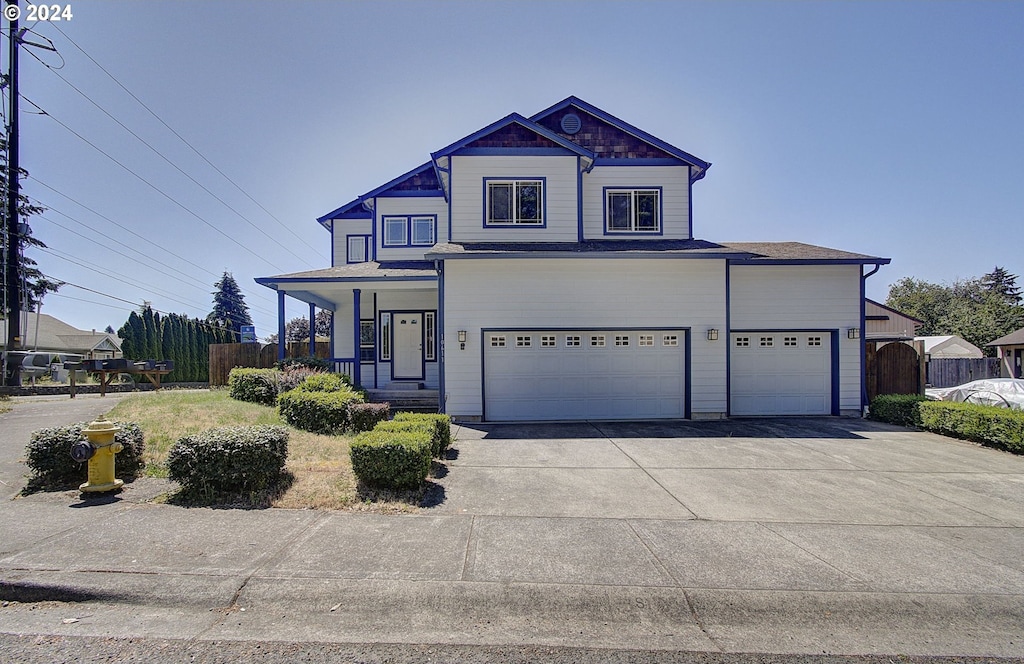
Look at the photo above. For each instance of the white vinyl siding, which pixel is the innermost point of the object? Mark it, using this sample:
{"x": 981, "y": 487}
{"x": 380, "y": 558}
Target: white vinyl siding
{"x": 560, "y": 211}
{"x": 343, "y": 228}
{"x": 674, "y": 203}
{"x": 803, "y": 297}
{"x": 410, "y": 209}
{"x": 585, "y": 294}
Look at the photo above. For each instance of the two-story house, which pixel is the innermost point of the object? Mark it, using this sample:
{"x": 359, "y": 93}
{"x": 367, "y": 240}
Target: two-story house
{"x": 545, "y": 268}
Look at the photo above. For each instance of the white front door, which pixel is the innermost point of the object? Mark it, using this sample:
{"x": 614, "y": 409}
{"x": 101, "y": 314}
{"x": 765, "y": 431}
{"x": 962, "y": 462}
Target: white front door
{"x": 408, "y": 360}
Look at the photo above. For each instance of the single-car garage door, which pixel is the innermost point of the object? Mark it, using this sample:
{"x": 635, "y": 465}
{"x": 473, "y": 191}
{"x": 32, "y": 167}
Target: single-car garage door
{"x": 584, "y": 375}
{"x": 781, "y": 373}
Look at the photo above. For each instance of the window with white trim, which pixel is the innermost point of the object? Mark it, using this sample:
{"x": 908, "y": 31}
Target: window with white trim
{"x": 632, "y": 210}
{"x": 789, "y": 341}
{"x": 671, "y": 340}
{"x": 396, "y": 231}
{"x": 367, "y": 335}
{"x": 497, "y": 341}
{"x": 597, "y": 341}
{"x": 573, "y": 341}
{"x": 742, "y": 342}
{"x": 813, "y": 341}
{"x": 430, "y": 332}
{"x": 547, "y": 341}
{"x": 356, "y": 249}
{"x": 646, "y": 340}
{"x": 511, "y": 202}
{"x": 385, "y": 337}
{"x": 524, "y": 341}
{"x": 767, "y": 342}
{"x": 621, "y": 339}
{"x": 423, "y": 231}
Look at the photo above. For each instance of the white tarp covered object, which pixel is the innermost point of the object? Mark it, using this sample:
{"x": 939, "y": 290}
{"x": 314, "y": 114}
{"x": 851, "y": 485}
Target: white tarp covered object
{"x": 1004, "y": 392}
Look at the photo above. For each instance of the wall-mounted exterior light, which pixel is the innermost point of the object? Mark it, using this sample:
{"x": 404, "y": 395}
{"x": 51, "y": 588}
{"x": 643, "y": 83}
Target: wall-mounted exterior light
{"x": 462, "y": 340}
{"x": 712, "y": 334}
{"x": 853, "y": 333}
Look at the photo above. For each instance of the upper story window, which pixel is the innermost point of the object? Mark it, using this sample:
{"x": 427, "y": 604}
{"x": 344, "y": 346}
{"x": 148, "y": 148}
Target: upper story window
{"x": 514, "y": 202}
{"x": 410, "y": 231}
{"x": 632, "y": 210}
{"x": 356, "y": 250}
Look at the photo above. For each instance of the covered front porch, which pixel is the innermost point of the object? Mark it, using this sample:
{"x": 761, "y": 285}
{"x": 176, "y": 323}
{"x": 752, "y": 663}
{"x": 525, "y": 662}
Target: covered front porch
{"x": 385, "y": 330}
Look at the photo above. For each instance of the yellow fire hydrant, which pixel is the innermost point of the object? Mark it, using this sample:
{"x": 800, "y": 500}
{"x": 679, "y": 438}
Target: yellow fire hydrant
{"x": 99, "y": 450}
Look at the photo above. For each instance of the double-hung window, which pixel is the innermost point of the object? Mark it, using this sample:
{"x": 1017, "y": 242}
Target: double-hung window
{"x": 514, "y": 202}
{"x": 632, "y": 210}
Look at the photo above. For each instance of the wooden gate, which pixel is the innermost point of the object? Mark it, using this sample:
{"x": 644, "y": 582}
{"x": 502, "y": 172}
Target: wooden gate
{"x": 895, "y": 368}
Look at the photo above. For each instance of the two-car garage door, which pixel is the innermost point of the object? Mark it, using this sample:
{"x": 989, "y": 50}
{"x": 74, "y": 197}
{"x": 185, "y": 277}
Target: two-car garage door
{"x": 781, "y": 373}
{"x": 584, "y": 374}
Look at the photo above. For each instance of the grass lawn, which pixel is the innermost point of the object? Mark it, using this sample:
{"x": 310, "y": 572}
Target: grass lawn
{"x": 320, "y": 464}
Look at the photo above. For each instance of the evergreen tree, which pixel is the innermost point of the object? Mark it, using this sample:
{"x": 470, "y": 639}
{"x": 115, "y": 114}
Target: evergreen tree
{"x": 129, "y": 343}
{"x": 109, "y": 330}
{"x": 167, "y": 345}
{"x": 229, "y": 308}
{"x": 1002, "y": 284}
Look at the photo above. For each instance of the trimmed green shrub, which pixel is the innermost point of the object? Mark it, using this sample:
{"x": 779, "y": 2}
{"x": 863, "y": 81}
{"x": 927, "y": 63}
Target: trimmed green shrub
{"x": 319, "y": 412}
{"x": 899, "y": 409}
{"x": 442, "y": 425}
{"x": 325, "y": 382}
{"x": 365, "y": 416}
{"x": 293, "y": 376}
{"x": 391, "y": 459}
{"x": 1001, "y": 428}
{"x": 48, "y": 455}
{"x": 254, "y": 385}
{"x": 229, "y": 460}
{"x": 307, "y": 362}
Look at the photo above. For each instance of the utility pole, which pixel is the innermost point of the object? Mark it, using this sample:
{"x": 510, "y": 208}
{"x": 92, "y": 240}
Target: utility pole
{"x": 12, "y": 278}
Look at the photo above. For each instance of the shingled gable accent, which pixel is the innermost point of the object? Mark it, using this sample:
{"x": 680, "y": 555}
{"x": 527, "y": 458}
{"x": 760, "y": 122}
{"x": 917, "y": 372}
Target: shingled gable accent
{"x": 604, "y": 139}
{"x": 513, "y": 135}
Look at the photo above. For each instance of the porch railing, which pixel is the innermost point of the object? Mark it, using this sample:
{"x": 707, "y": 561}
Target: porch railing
{"x": 344, "y": 365}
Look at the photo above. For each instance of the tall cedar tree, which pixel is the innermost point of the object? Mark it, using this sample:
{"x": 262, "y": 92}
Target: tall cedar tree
{"x": 229, "y": 308}
{"x": 36, "y": 285}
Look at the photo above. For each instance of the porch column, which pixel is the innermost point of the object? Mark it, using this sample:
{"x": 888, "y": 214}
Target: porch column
{"x": 357, "y": 377}
{"x": 280, "y": 325}
{"x": 312, "y": 330}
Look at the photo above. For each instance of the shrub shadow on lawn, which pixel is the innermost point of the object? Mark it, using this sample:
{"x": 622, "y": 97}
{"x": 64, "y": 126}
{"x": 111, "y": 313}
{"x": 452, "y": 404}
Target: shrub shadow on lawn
{"x": 260, "y": 499}
{"x": 428, "y": 494}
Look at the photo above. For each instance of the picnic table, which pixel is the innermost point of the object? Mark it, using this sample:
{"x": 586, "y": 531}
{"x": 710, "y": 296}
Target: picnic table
{"x": 106, "y": 370}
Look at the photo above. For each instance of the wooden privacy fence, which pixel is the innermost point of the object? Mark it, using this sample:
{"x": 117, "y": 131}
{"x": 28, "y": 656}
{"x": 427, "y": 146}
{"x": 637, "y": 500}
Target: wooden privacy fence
{"x": 950, "y": 372}
{"x": 893, "y": 368}
{"x": 225, "y": 357}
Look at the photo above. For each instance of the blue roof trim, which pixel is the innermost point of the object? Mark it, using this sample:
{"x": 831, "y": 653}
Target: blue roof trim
{"x": 397, "y": 181}
{"x": 504, "y": 122}
{"x": 699, "y": 163}
{"x": 273, "y": 282}
{"x": 812, "y": 261}
{"x": 351, "y": 210}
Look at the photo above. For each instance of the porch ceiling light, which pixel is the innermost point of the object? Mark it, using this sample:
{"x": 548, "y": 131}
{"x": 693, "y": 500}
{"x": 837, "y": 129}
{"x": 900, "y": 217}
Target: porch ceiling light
{"x": 712, "y": 334}
{"x": 853, "y": 333}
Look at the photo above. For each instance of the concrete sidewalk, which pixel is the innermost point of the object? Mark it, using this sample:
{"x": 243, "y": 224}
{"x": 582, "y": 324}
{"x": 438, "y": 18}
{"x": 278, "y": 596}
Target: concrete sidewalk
{"x": 771, "y": 536}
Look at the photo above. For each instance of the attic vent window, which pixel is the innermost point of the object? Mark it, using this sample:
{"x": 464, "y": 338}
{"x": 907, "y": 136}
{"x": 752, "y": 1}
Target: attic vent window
{"x": 571, "y": 123}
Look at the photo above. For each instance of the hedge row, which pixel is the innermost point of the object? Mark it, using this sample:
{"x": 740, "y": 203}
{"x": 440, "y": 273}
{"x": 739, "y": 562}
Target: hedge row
{"x": 398, "y": 454}
{"x": 991, "y": 426}
{"x": 264, "y": 386}
{"x": 319, "y": 412}
{"x": 48, "y": 455}
{"x": 229, "y": 460}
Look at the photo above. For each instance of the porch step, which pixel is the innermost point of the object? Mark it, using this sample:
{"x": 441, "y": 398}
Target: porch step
{"x": 420, "y": 401}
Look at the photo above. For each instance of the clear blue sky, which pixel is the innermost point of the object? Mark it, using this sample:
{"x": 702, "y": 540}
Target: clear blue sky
{"x": 892, "y": 129}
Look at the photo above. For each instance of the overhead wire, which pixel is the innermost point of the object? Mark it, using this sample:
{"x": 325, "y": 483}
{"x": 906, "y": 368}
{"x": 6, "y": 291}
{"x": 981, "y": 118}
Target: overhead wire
{"x": 178, "y": 168}
{"x": 150, "y": 184}
{"x": 183, "y": 140}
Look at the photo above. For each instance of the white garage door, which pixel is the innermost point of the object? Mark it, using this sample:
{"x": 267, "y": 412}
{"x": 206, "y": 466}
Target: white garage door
{"x": 781, "y": 373}
{"x": 584, "y": 375}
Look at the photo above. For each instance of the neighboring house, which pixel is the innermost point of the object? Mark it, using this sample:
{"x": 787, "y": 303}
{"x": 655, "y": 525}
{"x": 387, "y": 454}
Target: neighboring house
{"x": 1010, "y": 351}
{"x": 884, "y": 323}
{"x": 45, "y": 333}
{"x": 546, "y": 268}
{"x": 949, "y": 346}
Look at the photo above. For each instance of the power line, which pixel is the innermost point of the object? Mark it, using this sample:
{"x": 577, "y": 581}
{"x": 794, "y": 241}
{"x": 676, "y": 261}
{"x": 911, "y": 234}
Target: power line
{"x": 182, "y": 139}
{"x": 176, "y": 167}
{"x": 150, "y": 184}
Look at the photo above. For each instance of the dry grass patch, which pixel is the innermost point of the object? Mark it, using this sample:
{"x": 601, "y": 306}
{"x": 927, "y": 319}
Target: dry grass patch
{"x": 323, "y": 477}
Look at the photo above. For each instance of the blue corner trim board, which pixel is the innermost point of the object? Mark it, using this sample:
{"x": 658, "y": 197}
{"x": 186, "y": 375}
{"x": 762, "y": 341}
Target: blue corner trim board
{"x": 440, "y": 337}
{"x": 357, "y": 368}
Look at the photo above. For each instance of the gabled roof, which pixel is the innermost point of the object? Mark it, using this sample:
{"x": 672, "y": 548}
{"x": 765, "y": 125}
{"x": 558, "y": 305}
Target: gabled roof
{"x": 513, "y": 118}
{"x": 57, "y": 336}
{"x": 1011, "y": 339}
{"x": 699, "y": 165}
{"x": 894, "y": 311}
{"x": 421, "y": 180}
